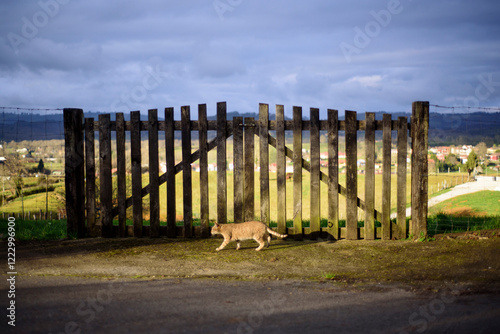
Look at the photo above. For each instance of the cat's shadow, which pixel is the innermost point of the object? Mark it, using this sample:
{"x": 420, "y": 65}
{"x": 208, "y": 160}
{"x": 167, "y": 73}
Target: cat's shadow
{"x": 283, "y": 244}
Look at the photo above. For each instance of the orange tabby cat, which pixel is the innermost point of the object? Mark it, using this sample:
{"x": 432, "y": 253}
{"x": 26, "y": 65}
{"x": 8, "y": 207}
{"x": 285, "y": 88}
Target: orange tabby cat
{"x": 245, "y": 231}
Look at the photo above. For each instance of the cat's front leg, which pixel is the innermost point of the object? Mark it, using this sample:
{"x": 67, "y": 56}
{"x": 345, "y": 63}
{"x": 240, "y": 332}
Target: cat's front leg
{"x": 238, "y": 245}
{"x": 224, "y": 244}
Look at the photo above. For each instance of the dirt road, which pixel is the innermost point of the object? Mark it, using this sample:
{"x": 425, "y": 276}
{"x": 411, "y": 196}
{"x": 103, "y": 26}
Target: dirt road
{"x": 83, "y": 305}
{"x": 183, "y": 286}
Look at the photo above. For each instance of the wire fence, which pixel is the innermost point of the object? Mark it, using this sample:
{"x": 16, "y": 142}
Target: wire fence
{"x": 442, "y": 223}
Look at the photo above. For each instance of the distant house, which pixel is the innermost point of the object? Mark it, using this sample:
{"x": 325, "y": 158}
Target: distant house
{"x": 495, "y": 157}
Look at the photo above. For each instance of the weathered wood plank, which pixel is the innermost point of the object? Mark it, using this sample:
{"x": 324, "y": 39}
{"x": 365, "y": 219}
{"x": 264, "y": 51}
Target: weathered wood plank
{"x": 264, "y": 163}
{"x": 154, "y": 174}
{"x": 351, "y": 176}
{"x": 315, "y": 216}
{"x": 170, "y": 174}
{"x": 187, "y": 182}
{"x": 221, "y": 163}
{"x": 249, "y": 152}
{"x": 333, "y": 175}
{"x": 297, "y": 173}
{"x": 370, "y": 176}
{"x": 238, "y": 181}
{"x": 401, "y": 189}
{"x": 419, "y": 168}
{"x": 386, "y": 178}
{"x": 204, "y": 203}
{"x": 281, "y": 168}
{"x": 212, "y": 125}
{"x": 90, "y": 176}
{"x": 74, "y": 171}
{"x": 121, "y": 179}
{"x": 135, "y": 155}
{"x": 106, "y": 186}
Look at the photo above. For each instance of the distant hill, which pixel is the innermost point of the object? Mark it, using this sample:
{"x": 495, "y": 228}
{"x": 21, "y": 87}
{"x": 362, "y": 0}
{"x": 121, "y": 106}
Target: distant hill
{"x": 445, "y": 129}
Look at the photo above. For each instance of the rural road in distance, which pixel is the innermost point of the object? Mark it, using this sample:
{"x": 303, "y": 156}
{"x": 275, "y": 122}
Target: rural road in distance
{"x": 88, "y": 305}
{"x": 462, "y": 189}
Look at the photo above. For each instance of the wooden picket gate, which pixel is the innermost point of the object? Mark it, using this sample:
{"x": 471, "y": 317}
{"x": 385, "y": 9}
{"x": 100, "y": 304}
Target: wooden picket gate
{"x": 80, "y": 172}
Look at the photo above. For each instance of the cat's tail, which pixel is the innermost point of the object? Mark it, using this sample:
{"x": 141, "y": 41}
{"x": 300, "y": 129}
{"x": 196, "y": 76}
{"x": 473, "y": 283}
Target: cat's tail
{"x": 276, "y": 234}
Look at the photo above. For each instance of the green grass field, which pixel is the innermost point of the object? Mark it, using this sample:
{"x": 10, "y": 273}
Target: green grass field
{"x": 471, "y": 212}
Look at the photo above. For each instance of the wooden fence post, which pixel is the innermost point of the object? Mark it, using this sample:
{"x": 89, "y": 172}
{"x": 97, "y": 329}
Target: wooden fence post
{"x": 315, "y": 215}
{"x": 249, "y": 170}
{"x": 401, "y": 177}
{"x": 386, "y": 177}
{"x": 333, "y": 174}
{"x": 186, "y": 172}
{"x": 419, "y": 168}
{"x": 74, "y": 171}
{"x": 154, "y": 174}
{"x": 121, "y": 179}
{"x": 238, "y": 180}
{"x": 106, "y": 183}
{"x": 264, "y": 163}
{"x": 90, "y": 176}
{"x": 135, "y": 147}
{"x": 221, "y": 163}
{"x": 351, "y": 175}
{"x": 170, "y": 165}
{"x": 281, "y": 168}
{"x": 297, "y": 173}
{"x": 204, "y": 203}
{"x": 370, "y": 230}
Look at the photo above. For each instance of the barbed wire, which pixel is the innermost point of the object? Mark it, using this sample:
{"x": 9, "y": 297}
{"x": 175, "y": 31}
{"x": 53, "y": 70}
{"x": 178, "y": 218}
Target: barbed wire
{"x": 31, "y": 109}
{"x": 469, "y": 108}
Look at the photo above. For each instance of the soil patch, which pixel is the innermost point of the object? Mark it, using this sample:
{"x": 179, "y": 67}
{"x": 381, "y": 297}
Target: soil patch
{"x": 470, "y": 259}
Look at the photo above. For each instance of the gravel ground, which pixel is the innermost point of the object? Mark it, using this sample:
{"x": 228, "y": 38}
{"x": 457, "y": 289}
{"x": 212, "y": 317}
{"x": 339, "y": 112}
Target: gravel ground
{"x": 89, "y": 305}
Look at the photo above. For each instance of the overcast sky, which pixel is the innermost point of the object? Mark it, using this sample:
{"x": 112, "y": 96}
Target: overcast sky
{"x": 359, "y": 55}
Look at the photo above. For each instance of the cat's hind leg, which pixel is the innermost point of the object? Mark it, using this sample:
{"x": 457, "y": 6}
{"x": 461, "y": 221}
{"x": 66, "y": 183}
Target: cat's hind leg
{"x": 268, "y": 240}
{"x": 238, "y": 244}
{"x": 261, "y": 243}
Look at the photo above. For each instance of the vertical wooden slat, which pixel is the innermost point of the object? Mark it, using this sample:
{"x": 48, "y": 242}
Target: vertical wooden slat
{"x": 120, "y": 170}
{"x": 221, "y": 163}
{"x": 154, "y": 174}
{"x": 170, "y": 166}
{"x": 281, "y": 168}
{"x": 386, "y": 177}
{"x": 90, "y": 175}
{"x": 370, "y": 233}
{"x": 264, "y": 163}
{"x": 351, "y": 176}
{"x": 419, "y": 168}
{"x": 315, "y": 218}
{"x": 297, "y": 173}
{"x": 106, "y": 186}
{"x": 238, "y": 181}
{"x": 135, "y": 155}
{"x": 204, "y": 204}
{"x": 249, "y": 192}
{"x": 187, "y": 194}
{"x": 74, "y": 171}
{"x": 333, "y": 175}
{"x": 401, "y": 192}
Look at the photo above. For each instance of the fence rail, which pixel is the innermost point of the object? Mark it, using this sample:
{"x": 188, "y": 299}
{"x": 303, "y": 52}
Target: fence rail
{"x": 80, "y": 158}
